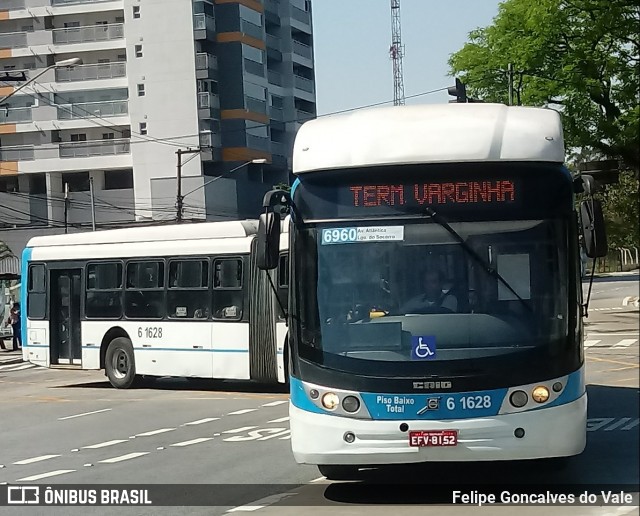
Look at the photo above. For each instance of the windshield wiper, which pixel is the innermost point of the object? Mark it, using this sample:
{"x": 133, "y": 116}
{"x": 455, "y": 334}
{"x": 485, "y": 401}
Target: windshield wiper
{"x": 485, "y": 266}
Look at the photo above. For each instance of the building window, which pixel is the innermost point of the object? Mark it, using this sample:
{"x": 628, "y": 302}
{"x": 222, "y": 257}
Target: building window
{"x": 138, "y": 50}
{"x": 37, "y": 288}
{"x": 140, "y": 90}
{"x": 77, "y": 181}
{"x": 118, "y": 180}
{"x": 277, "y": 101}
{"x": 37, "y": 184}
{"x": 79, "y": 137}
{"x": 253, "y": 53}
{"x": 251, "y": 15}
{"x": 143, "y": 128}
{"x": 227, "y": 289}
{"x": 136, "y": 11}
{"x": 108, "y": 136}
{"x": 188, "y": 294}
{"x": 9, "y": 184}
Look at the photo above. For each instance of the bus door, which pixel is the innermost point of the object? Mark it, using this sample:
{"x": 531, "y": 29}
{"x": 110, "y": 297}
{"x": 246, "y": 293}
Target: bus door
{"x": 65, "y": 343}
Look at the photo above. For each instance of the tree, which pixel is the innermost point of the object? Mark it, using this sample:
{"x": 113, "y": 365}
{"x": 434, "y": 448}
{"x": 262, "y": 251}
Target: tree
{"x": 582, "y": 58}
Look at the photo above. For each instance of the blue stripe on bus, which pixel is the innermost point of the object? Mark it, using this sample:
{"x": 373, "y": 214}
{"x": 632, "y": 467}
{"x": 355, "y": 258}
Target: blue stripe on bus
{"x": 294, "y": 186}
{"x": 406, "y": 406}
{"x": 164, "y": 349}
{"x": 24, "y": 283}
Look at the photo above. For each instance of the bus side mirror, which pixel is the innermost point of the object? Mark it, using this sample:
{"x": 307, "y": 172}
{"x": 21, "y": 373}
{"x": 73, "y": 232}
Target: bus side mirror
{"x": 268, "y": 241}
{"x": 593, "y": 229}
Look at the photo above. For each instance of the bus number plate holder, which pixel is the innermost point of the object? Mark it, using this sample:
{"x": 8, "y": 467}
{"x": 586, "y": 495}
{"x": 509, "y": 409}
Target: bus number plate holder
{"x": 421, "y": 438}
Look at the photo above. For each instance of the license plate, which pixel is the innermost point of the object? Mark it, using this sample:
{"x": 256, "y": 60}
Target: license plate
{"x": 433, "y": 438}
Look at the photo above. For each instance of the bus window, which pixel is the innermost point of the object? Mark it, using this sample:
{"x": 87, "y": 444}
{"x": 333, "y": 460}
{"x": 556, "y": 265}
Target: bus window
{"x": 144, "y": 295}
{"x": 227, "y": 289}
{"x": 37, "y": 300}
{"x": 103, "y": 298}
{"x": 188, "y": 294}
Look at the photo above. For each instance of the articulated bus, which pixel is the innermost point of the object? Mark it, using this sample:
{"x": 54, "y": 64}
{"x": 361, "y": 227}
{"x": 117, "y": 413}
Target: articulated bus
{"x": 171, "y": 300}
{"x": 435, "y": 300}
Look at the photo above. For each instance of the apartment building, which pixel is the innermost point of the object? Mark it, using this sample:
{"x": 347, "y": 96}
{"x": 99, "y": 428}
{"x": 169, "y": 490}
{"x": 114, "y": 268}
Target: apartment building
{"x": 233, "y": 77}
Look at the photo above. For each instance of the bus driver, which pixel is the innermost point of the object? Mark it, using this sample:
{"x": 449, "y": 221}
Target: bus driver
{"x": 433, "y": 298}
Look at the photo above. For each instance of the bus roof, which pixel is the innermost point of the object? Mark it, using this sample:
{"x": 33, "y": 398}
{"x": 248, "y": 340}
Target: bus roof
{"x": 436, "y": 133}
{"x": 160, "y": 233}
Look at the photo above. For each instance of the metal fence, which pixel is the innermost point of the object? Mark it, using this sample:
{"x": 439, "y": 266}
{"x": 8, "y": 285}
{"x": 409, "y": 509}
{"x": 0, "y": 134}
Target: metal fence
{"x": 91, "y": 72}
{"x": 88, "y": 34}
{"x": 87, "y": 109}
{"x": 95, "y": 148}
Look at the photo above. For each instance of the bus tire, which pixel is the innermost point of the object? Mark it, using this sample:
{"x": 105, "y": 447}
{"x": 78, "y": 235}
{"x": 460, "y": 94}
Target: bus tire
{"x": 120, "y": 364}
{"x": 338, "y": 472}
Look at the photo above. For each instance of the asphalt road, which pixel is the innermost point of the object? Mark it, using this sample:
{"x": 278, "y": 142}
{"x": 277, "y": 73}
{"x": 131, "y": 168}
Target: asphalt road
{"x": 71, "y": 427}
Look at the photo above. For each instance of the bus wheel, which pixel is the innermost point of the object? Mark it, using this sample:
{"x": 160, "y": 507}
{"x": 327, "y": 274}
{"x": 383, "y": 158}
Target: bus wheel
{"x": 119, "y": 363}
{"x": 335, "y": 472}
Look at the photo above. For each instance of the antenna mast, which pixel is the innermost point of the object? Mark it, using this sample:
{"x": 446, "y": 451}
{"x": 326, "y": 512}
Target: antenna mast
{"x": 396, "y": 52}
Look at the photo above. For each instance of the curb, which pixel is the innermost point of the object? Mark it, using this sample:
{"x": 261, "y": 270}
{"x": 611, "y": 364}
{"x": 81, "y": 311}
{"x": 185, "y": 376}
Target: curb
{"x": 11, "y": 361}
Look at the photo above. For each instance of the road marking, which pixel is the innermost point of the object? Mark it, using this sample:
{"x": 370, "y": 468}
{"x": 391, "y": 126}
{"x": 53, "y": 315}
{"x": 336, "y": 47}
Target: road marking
{"x": 589, "y": 343}
{"x": 84, "y": 414}
{"x": 279, "y": 434}
{"x": 238, "y": 430}
{"x": 625, "y": 343}
{"x": 243, "y": 411}
{"x": 319, "y": 479}
{"x": 617, "y": 424}
{"x": 599, "y": 423}
{"x": 105, "y": 444}
{"x": 155, "y": 432}
{"x": 275, "y": 403}
{"x": 16, "y": 367}
{"x": 201, "y": 421}
{"x": 192, "y": 441}
{"x": 280, "y": 420}
{"x": 35, "y": 459}
{"x": 257, "y": 435}
{"x": 124, "y": 457}
{"x": 631, "y": 365}
{"x": 46, "y": 475}
{"x": 631, "y": 425}
{"x": 262, "y": 503}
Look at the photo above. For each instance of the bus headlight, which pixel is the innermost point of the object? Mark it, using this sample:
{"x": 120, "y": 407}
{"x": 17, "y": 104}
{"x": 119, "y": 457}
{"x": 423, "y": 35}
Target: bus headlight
{"x": 540, "y": 394}
{"x": 351, "y": 404}
{"x": 519, "y": 399}
{"x": 330, "y": 400}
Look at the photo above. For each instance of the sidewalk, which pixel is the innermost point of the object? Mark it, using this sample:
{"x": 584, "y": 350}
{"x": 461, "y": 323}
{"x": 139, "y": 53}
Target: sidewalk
{"x": 10, "y": 357}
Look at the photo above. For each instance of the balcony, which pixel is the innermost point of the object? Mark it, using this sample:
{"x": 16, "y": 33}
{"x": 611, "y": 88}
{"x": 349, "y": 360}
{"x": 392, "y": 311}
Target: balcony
{"x": 88, "y": 34}
{"x": 10, "y": 5}
{"x": 13, "y": 40}
{"x": 303, "y": 83}
{"x": 91, "y": 72}
{"x": 17, "y": 153}
{"x": 303, "y": 50}
{"x": 95, "y": 148}
{"x": 258, "y": 142}
{"x": 251, "y": 29}
{"x": 300, "y": 15}
{"x": 204, "y": 27}
{"x": 15, "y": 115}
{"x": 208, "y": 100}
{"x": 256, "y": 105}
{"x": 74, "y": 2}
{"x": 210, "y": 140}
{"x": 274, "y": 78}
{"x": 91, "y": 109}
{"x": 303, "y": 116}
{"x": 276, "y": 113}
{"x": 278, "y": 148}
{"x": 206, "y": 65}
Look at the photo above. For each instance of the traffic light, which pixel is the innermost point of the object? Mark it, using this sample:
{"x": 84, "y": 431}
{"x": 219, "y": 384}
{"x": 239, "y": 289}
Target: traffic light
{"x": 459, "y": 91}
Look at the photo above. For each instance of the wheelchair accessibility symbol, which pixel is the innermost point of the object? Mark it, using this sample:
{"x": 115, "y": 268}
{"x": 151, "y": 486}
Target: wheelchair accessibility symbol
{"x": 423, "y": 347}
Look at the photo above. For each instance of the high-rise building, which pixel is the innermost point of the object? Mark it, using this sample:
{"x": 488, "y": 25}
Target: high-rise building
{"x": 234, "y": 77}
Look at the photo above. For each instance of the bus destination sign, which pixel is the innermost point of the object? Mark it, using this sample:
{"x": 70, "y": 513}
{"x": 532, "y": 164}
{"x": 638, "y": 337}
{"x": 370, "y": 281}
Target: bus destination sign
{"x": 434, "y": 193}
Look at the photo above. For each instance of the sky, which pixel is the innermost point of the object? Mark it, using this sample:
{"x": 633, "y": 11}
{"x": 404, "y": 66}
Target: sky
{"x": 352, "y": 40}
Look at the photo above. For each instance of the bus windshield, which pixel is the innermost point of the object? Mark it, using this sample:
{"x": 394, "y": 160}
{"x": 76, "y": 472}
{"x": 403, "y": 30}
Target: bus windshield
{"x": 405, "y": 291}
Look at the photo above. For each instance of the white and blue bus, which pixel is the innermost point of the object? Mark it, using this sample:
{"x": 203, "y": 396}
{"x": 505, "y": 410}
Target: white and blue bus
{"x": 435, "y": 300}
{"x": 171, "y": 300}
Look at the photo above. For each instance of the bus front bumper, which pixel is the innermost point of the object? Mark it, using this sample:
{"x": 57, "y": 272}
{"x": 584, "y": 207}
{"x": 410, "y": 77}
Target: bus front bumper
{"x": 554, "y": 432}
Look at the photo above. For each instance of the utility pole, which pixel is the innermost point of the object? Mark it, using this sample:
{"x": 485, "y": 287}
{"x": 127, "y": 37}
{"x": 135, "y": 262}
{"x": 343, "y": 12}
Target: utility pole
{"x": 510, "y": 75}
{"x": 93, "y": 206}
{"x": 180, "y": 197}
{"x": 66, "y": 206}
{"x": 396, "y": 52}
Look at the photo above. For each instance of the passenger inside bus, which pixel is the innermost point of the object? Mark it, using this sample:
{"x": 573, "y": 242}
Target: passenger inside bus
{"x": 433, "y": 298}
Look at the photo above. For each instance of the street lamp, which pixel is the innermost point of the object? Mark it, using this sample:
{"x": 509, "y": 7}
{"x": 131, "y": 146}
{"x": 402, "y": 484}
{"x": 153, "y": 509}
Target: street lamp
{"x": 60, "y": 64}
{"x": 180, "y": 198}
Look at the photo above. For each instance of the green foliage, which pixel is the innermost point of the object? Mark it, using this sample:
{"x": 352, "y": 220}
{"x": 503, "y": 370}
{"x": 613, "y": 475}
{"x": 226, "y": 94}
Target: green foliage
{"x": 582, "y": 58}
{"x": 282, "y": 186}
